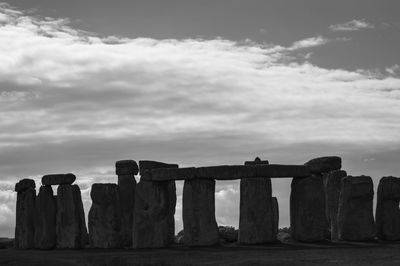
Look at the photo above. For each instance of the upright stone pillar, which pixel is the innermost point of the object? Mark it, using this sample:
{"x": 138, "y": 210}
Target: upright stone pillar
{"x": 70, "y": 220}
{"x": 256, "y": 219}
{"x": 307, "y": 209}
{"x": 275, "y": 212}
{"x": 45, "y": 225}
{"x": 105, "y": 217}
{"x": 332, "y": 190}
{"x": 153, "y": 218}
{"x": 355, "y": 217}
{"x": 199, "y": 224}
{"x": 387, "y": 209}
{"x": 25, "y": 214}
{"x": 126, "y": 171}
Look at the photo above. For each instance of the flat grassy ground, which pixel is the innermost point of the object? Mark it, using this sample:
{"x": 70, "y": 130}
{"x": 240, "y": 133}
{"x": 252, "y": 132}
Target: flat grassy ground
{"x": 377, "y": 253}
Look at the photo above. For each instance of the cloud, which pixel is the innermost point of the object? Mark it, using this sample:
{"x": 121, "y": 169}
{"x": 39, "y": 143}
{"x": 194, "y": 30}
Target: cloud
{"x": 393, "y": 70}
{"x": 73, "y": 101}
{"x": 353, "y": 25}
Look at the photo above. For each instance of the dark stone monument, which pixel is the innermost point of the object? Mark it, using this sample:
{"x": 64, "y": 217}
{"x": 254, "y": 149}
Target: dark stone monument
{"x": 45, "y": 223}
{"x": 307, "y": 209}
{"x": 387, "y": 209}
{"x": 324, "y": 164}
{"x": 355, "y": 215}
{"x": 105, "y": 217}
{"x": 58, "y": 179}
{"x": 126, "y": 171}
{"x": 199, "y": 222}
{"x": 25, "y": 214}
{"x": 275, "y": 211}
{"x": 70, "y": 220}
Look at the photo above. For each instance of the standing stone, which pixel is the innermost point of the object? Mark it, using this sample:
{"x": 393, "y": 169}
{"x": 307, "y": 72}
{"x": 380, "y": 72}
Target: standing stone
{"x": 25, "y": 214}
{"x": 105, "y": 217}
{"x": 153, "y": 218}
{"x": 199, "y": 222}
{"x": 45, "y": 225}
{"x": 387, "y": 209}
{"x": 256, "y": 218}
{"x": 355, "y": 215}
{"x": 70, "y": 221}
{"x": 332, "y": 192}
{"x": 126, "y": 171}
{"x": 307, "y": 209}
{"x": 275, "y": 212}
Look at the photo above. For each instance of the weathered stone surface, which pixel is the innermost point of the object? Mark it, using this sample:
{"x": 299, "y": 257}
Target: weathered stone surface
{"x": 58, "y": 179}
{"x": 25, "y": 217}
{"x": 70, "y": 220}
{"x": 256, "y": 219}
{"x": 127, "y": 186}
{"x": 105, "y": 217}
{"x": 24, "y": 184}
{"x": 307, "y": 209}
{"x": 198, "y": 213}
{"x": 332, "y": 192}
{"x": 146, "y": 165}
{"x": 387, "y": 209}
{"x": 324, "y": 164}
{"x": 355, "y": 217}
{"x": 153, "y": 218}
{"x": 227, "y": 172}
{"x": 275, "y": 212}
{"x": 45, "y": 223}
{"x": 126, "y": 167}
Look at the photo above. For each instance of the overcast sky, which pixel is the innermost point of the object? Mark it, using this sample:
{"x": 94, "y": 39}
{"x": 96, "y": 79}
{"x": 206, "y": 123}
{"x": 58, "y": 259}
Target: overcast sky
{"x": 86, "y": 83}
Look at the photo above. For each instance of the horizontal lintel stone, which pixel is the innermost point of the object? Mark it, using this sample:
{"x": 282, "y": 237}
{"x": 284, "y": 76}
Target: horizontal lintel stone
{"x": 227, "y": 172}
{"x": 58, "y": 179}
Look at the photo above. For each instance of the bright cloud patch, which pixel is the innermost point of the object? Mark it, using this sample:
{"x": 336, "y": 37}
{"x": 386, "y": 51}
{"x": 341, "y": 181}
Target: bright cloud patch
{"x": 74, "y": 102}
{"x": 352, "y": 25}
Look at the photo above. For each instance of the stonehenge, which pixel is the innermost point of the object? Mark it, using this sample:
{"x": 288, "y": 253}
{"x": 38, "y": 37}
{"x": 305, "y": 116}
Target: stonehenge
{"x": 355, "y": 214}
{"x": 387, "y": 209}
{"x": 257, "y": 217}
{"x": 153, "y": 218}
{"x": 126, "y": 214}
{"x": 126, "y": 171}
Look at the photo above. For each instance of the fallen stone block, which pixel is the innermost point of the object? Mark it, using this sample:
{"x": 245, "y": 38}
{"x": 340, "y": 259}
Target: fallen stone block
{"x": 355, "y": 215}
{"x": 45, "y": 223}
{"x": 105, "y": 217}
{"x": 70, "y": 220}
{"x": 256, "y": 219}
{"x": 24, "y": 184}
{"x": 324, "y": 164}
{"x": 332, "y": 192}
{"x": 387, "y": 209}
{"x": 126, "y": 167}
{"x": 25, "y": 215}
{"x": 198, "y": 213}
{"x": 307, "y": 209}
{"x": 58, "y": 179}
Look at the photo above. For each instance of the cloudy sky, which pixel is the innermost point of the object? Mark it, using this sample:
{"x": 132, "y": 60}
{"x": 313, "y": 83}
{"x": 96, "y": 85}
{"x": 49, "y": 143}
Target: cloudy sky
{"x": 86, "y": 83}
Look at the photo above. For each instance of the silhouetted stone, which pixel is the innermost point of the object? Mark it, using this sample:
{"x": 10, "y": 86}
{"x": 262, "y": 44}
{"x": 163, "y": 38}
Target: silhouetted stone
{"x": 256, "y": 220}
{"x": 227, "y": 172}
{"x": 24, "y": 184}
{"x": 257, "y": 161}
{"x": 324, "y": 164}
{"x": 127, "y": 187}
{"x": 275, "y": 212}
{"x": 105, "y": 217}
{"x": 332, "y": 192}
{"x": 25, "y": 214}
{"x": 70, "y": 221}
{"x": 387, "y": 209}
{"x": 45, "y": 224}
{"x": 58, "y": 179}
{"x": 153, "y": 218}
{"x": 307, "y": 209}
{"x": 198, "y": 213}
{"x": 126, "y": 167}
{"x": 355, "y": 217}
